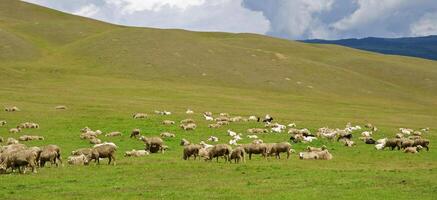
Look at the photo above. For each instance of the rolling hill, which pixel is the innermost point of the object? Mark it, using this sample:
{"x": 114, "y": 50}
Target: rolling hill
{"x": 421, "y": 47}
{"x": 103, "y": 73}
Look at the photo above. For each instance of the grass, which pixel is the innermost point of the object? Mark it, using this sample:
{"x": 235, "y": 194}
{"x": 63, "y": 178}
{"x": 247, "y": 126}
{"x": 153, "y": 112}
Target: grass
{"x": 104, "y": 73}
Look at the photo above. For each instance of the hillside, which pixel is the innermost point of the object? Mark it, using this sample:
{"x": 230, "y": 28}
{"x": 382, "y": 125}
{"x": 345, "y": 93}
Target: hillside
{"x": 104, "y": 73}
{"x": 421, "y": 47}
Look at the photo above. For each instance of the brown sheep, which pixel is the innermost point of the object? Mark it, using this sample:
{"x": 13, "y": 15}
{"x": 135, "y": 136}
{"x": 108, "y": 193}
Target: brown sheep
{"x": 406, "y": 143}
{"x": 50, "y": 153}
{"x": 238, "y": 154}
{"x": 20, "y": 159}
{"x": 255, "y": 149}
{"x": 135, "y": 133}
{"x": 220, "y": 150}
{"x": 422, "y": 142}
{"x": 393, "y": 143}
{"x": 277, "y": 148}
{"x": 153, "y": 144}
{"x": 191, "y": 150}
{"x": 105, "y": 150}
{"x": 413, "y": 150}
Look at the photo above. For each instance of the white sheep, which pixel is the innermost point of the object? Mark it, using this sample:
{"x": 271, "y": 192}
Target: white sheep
{"x": 232, "y": 133}
{"x": 292, "y": 125}
{"x": 367, "y": 134}
{"x": 276, "y": 129}
{"x": 208, "y": 118}
{"x": 189, "y": 111}
{"x": 205, "y": 145}
{"x": 309, "y": 138}
{"x": 379, "y": 146}
{"x": 252, "y": 136}
{"x": 213, "y": 139}
{"x": 233, "y": 142}
{"x": 253, "y": 118}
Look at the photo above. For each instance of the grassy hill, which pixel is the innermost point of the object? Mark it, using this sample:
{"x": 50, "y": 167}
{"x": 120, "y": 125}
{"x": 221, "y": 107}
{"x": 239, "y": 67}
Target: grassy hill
{"x": 105, "y": 72}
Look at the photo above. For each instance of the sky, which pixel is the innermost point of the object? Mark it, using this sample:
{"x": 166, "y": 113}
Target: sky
{"x": 289, "y": 19}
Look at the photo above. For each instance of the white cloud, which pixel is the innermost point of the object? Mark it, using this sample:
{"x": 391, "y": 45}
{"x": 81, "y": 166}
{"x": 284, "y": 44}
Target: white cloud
{"x": 427, "y": 25}
{"x": 130, "y": 6}
{"x": 87, "y": 11}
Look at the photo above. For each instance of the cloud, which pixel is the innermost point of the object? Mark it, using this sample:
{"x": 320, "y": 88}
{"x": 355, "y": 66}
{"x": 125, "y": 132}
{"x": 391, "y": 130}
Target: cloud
{"x": 291, "y": 19}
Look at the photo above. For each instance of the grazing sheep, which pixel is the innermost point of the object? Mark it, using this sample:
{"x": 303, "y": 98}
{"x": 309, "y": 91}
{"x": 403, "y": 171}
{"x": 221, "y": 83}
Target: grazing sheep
{"x": 95, "y": 141}
{"x": 86, "y": 129}
{"x": 153, "y": 144}
{"x": 61, "y": 107}
{"x": 188, "y": 127}
{"x": 20, "y": 159}
{"x": 422, "y": 142}
{"x": 14, "y": 130}
{"x": 113, "y": 134}
{"x": 214, "y": 126}
{"x": 11, "y": 141}
{"x": 135, "y": 133}
{"x": 140, "y": 115}
{"x": 105, "y": 150}
{"x": 77, "y": 160}
{"x": 168, "y": 122}
{"x": 213, "y": 139}
{"x": 2, "y": 123}
{"x": 50, "y": 153}
{"x": 136, "y": 153}
{"x": 406, "y": 143}
{"x": 82, "y": 151}
{"x": 188, "y": 121}
{"x": 220, "y": 150}
{"x": 88, "y": 135}
{"x": 191, "y": 150}
{"x": 28, "y": 125}
{"x": 255, "y": 149}
{"x": 237, "y": 155}
{"x": 189, "y": 112}
{"x": 224, "y": 114}
{"x": 184, "y": 142}
{"x": 237, "y": 119}
{"x": 12, "y": 109}
{"x": 277, "y": 148}
{"x": 167, "y": 135}
{"x": 253, "y": 118}
{"x": 413, "y": 150}
{"x": 393, "y": 143}
{"x": 30, "y": 138}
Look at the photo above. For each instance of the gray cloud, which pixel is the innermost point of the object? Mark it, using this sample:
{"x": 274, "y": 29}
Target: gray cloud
{"x": 292, "y": 19}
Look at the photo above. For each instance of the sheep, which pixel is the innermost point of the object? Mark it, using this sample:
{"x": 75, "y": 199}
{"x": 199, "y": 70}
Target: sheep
{"x": 253, "y": 118}
{"x": 153, "y": 144}
{"x": 237, "y": 119}
{"x": 189, "y": 111}
{"x": 95, "y": 141}
{"x": 422, "y": 142}
{"x": 220, "y": 150}
{"x": 214, "y": 126}
{"x": 85, "y": 129}
{"x": 14, "y": 130}
{"x": 113, "y": 134}
{"x": 204, "y": 153}
{"x": 184, "y": 142}
{"x": 77, "y": 160}
{"x": 140, "y": 115}
{"x": 252, "y": 136}
{"x": 11, "y": 141}
{"x": 50, "y": 153}
{"x": 208, "y": 114}
{"x": 12, "y": 109}
{"x": 425, "y": 129}
{"x": 237, "y": 155}
{"x": 213, "y": 139}
{"x": 136, "y": 153}
{"x": 324, "y": 155}
{"x": 30, "y": 137}
{"x": 88, "y": 135}
{"x": 20, "y": 159}
{"x": 417, "y": 133}
{"x": 82, "y": 151}
{"x": 276, "y": 130}
{"x": 283, "y": 147}
{"x": 208, "y": 118}
{"x": 222, "y": 123}
{"x": 191, "y": 150}
{"x": 105, "y": 150}
{"x": 255, "y": 149}
{"x": 393, "y": 143}
{"x": 381, "y": 141}
{"x": 315, "y": 155}
{"x": 1, "y": 139}
{"x": 348, "y": 143}
{"x": 413, "y": 150}
{"x": 231, "y": 133}
{"x": 98, "y": 132}
{"x": 205, "y": 145}
{"x": 257, "y": 141}
{"x": 414, "y": 137}
{"x": 162, "y": 112}
{"x": 307, "y": 139}
{"x": 188, "y": 127}
{"x": 222, "y": 119}
{"x": 366, "y": 134}
{"x": 268, "y": 118}
{"x": 188, "y": 121}
{"x": 28, "y": 125}
{"x": 166, "y": 135}
{"x": 399, "y": 135}
{"x": 406, "y": 143}
{"x": 168, "y": 122}
{"x": 406, "y": 131}
{"x": 61, "y": 107}
{"x": 233, "y": 142}
{"x": 135, "y": 133}
{"x": 292, "y": 125}
{"x": 257, "y": 130}
{"x": 311, "y": 149}
{"x": 2, "y": 123}
{"x": 379, "y": 146}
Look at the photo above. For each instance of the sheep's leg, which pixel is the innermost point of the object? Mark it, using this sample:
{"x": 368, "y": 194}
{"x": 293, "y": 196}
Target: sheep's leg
{"x": 109, "y": 160}
{"x": 250, "y": 156}
{"x": 288, "y": 154}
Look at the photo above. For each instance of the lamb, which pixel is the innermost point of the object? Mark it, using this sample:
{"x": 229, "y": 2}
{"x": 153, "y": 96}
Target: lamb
{"x": 188, "y": 121}
{"x": 255, "y": 149}
{"x": 231, "y": 133}
{"x": 268, "y": 118}
{"x": 140, "y": 115}
{"x": 95, "y": 141}
{"x": 113, "y": 134}
{"x": 82, "y": 151}
{"x": 168, "y": 122}
{"x": 61, "y": 107}
{"x": 105, "y": 150}
{"x": 153, "y": 144}
{"x": 2, "y": 123}
{"x": 422, "y": 142}
{"x": 233, "y": 142}
{"x": 283, "y": 147}
{"x": 214, "y": 126}
{"x": 188, "y": 127}
{"x": 11, "y": 141}
{"x": 191, "y": 150}
{"x": 237, "y": 155}
{"x": 136, "y": 153}
{"x": 292, "y": 125}
{"x": 213, "y": 139}
{"x": 77, "y": 160}
{"x": 413, "y": 150}
{"x": 166, "y": 135}
{"x": 14, "y": 130}
{"x": 135, "y": 133}
{"x": 50, "y": 153}
{"x": 184, "y": 142}
{"x": 307, "y": 139}
{"x": 220, "y": 150}
{"x": 381, "y": 141}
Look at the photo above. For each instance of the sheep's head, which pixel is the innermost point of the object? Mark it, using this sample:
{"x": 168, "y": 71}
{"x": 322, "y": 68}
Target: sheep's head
{"x": 419, "y": 147}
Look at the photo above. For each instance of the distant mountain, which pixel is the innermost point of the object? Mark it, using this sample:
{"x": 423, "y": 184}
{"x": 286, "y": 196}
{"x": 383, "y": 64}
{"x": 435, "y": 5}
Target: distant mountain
{"x": 422, "y": 47}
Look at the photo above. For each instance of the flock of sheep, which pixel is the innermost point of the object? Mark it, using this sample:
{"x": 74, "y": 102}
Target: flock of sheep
{"x": 17, "y": 156}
